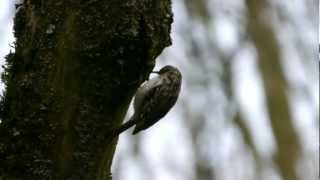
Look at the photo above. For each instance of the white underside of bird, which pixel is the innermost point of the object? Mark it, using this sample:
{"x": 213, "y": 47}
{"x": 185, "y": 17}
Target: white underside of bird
{"x": 143, "y": 89}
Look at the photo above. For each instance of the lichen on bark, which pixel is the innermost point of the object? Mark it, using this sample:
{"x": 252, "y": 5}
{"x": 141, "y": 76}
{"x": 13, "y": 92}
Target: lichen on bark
{"x": 70, "y": 80}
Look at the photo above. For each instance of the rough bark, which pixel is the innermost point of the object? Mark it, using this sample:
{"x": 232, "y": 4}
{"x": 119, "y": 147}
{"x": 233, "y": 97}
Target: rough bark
{"x": 70, "y": 80}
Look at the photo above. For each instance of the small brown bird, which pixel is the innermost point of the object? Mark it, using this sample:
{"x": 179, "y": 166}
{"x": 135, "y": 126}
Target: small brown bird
{"x": 154, "y": 99}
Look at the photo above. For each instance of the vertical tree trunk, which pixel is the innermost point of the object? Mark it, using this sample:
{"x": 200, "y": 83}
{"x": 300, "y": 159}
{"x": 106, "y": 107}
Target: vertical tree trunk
{"x": 70, "y": 80}
{"x": 275, "y": 88}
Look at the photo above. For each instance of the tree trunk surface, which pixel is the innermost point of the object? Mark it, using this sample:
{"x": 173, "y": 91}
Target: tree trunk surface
{"x": 70, "y": 80}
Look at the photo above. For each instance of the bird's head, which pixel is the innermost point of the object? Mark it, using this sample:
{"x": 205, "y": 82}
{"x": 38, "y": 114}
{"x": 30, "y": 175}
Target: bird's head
{"x": 167, "y": 69}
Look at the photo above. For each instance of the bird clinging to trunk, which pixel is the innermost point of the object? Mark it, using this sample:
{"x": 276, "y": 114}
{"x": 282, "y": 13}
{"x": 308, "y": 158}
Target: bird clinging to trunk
{"x": 154, "y": 99}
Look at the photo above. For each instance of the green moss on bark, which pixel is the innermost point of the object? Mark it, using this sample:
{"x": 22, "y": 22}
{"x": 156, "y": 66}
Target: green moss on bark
{"x": 70, "y": 80}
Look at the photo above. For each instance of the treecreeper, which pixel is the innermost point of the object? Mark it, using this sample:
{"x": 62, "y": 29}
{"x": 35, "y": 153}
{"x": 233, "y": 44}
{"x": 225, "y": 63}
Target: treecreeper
{"x": 154, "y": 99}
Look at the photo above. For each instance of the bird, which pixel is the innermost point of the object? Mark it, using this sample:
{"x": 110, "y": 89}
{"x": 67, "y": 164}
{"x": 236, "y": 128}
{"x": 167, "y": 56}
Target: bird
{"x": 154, "y": 99}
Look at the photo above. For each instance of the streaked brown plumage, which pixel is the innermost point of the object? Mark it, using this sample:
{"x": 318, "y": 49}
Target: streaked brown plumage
{"x": 154, "y": 99}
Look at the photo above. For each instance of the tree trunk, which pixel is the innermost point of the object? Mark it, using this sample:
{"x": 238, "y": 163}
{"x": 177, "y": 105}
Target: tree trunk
{"x": 70, "y": 80}
{"x": 264, "y": 38}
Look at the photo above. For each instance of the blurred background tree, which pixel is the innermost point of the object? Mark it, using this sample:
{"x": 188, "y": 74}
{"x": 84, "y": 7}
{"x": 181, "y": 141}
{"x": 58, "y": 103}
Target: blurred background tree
{"x": 249, "y": 104}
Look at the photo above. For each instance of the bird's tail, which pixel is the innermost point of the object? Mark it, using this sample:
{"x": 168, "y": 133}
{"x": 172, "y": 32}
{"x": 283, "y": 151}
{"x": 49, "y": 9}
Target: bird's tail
{"x": 139, "y": 127}
{"x": 135, "y": 131}
{"x": 125, "y": 126}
